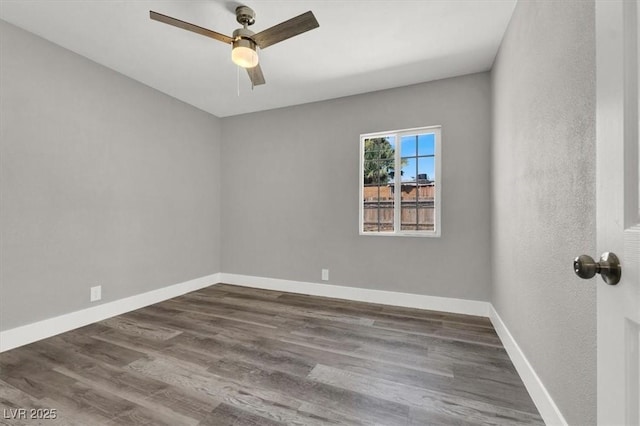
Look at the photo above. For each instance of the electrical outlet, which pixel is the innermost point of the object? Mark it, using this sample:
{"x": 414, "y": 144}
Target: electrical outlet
{"x": 96, "y": 293}
{"x": 325, "y": 275}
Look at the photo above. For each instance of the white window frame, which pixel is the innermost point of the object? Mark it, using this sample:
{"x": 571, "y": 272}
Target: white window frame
{"x": 397, "y": 203}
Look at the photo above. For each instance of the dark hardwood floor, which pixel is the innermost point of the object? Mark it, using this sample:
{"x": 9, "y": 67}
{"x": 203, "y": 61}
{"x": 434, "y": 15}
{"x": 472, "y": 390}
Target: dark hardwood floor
{"x": 228, "y": 355}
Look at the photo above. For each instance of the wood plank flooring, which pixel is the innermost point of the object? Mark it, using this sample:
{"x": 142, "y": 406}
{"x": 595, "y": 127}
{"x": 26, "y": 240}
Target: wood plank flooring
{"x": 228, "y": 355}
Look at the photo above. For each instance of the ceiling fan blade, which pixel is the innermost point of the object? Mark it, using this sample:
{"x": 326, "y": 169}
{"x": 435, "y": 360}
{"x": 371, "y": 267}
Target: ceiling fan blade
{"x": 189, "y": 27}
{"x": 255, "y": 74}
{"x": 285, "y": 30}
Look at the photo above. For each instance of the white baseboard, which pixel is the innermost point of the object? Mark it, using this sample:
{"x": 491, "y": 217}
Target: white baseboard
{"x": 30, "y": 333}
{"x": 419, "y": 301}
{"x": 539, "y": 394}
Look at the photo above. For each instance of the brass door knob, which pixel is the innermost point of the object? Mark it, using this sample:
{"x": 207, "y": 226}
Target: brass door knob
{"x": 608, "y": 267}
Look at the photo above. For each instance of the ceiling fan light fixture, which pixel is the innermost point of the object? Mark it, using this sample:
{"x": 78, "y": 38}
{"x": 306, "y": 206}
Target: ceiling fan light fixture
{"x": 244, "y": 53}
{"x": 244, "y": 41}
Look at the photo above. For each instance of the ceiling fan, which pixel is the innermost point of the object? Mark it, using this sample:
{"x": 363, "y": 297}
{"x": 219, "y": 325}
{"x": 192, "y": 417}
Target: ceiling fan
{"x": 244, "y": 41}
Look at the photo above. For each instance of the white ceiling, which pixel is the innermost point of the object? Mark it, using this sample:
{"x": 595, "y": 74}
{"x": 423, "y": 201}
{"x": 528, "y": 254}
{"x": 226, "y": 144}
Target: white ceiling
{"x": 360, "y": 46}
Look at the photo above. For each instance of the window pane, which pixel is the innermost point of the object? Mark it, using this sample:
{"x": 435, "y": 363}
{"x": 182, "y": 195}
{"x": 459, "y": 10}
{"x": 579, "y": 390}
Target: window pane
{"x": 379, "y": 148}
{"x": 426, "y": 217}
{"x": 426, "y": 170}
{"x": 409, "y": 194}
{"x": 378, "y": 172}
{"x": 392, "y": 142}
{"x": 409, "y": 219}
{"x": 370, "y": 217}
{"x": 426, "y": 144}
{"x": 426, "y": 185}
{"x": 408, "y": 146}
{"x": 426, "y": 193}
{"x": 409, "y": 169}
{"x": 368, "y": 178}
{"x": 386, "y": 216}
{"x": 371, "y": 193}
{"x": 377, "y": 191}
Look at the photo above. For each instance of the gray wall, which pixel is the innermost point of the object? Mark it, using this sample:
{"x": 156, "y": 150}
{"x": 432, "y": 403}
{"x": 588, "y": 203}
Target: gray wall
{"x": 103, "y": 181}
{"x": 543, "y": 195}
{"x": 290, "y": 192}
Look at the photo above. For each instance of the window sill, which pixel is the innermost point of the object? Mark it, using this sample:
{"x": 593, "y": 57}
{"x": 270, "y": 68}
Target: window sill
{"x": 402, "y": 234}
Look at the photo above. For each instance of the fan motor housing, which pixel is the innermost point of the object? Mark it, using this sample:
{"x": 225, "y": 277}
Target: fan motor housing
{"x": 243, "y": 33}
{"x": 243, "y": 37}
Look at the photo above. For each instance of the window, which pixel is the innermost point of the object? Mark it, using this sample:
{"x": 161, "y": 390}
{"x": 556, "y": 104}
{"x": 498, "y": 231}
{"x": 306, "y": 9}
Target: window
{"x": 400, "y": 182}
